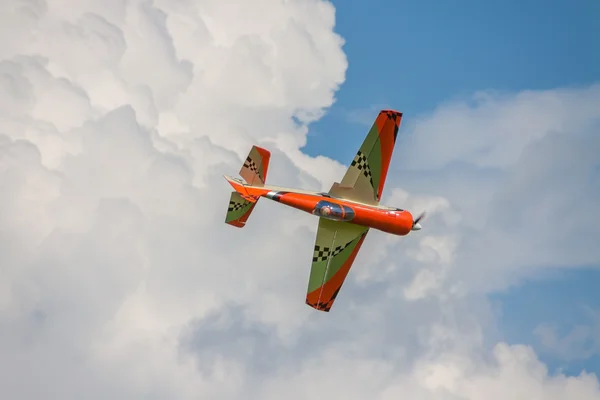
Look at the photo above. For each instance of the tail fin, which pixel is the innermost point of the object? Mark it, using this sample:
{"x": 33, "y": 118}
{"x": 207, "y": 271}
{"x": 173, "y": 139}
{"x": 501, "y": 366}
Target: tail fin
{"x": 254, "y": 170}
{"x": 243, "y": 200}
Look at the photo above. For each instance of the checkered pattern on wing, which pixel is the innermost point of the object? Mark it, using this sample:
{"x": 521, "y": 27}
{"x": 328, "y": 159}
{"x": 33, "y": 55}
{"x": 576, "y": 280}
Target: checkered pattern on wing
{"x": 324, "y": 253}
{"x": 251, "y": 165}
{"x": 360, "y": 161}
{"x": 235, "y": 206}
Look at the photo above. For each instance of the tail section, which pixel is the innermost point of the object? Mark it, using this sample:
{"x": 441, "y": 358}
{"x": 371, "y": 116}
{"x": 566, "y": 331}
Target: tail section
{"x": 254, "y": 170}
{"x": 247, "y": 192}
{"x": 239, "y": 210}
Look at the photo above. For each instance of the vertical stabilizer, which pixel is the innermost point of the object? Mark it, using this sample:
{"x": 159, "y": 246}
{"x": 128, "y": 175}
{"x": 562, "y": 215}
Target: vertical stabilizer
{"x": 256, "y": 165}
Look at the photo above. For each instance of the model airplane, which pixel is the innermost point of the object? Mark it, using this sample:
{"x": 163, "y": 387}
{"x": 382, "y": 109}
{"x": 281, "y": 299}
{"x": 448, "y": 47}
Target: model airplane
{"x": 346, "y": 212}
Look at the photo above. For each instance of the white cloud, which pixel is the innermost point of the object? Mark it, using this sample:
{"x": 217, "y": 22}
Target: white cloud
{"x": 514, "y": 372}
{"x": 118, "y": 277}
{"x": 530, "y": 203}
{"x": 495, "y": 129}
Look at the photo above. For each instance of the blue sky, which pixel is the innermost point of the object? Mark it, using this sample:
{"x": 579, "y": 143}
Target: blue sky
{"x": 564, "y": 300}
{"x": 413, "y": 56}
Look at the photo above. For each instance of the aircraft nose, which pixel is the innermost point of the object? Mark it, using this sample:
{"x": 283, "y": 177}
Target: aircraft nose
{"x": 416, "y": 227}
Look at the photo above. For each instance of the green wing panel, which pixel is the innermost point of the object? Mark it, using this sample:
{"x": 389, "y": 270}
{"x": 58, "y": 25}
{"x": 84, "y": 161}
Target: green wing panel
{"x": 336, "y": 247}
{"x": 367, "y": 173}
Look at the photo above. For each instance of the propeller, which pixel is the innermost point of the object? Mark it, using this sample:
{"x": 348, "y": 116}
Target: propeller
{"x": 416, "y": 225}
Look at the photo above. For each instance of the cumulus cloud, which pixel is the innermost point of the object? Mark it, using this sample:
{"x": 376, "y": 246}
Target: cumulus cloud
{"x": 118, "y": 277}
{"x": 522, "y": 173}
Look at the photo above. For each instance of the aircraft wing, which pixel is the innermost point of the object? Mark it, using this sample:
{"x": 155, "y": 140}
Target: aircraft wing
{"x": 336, "y": 246}
{"x": 365, "y": 178}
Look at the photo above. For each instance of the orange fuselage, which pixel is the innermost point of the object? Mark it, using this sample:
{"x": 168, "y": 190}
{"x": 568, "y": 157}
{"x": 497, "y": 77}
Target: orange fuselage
{"x": 394, "y": 221}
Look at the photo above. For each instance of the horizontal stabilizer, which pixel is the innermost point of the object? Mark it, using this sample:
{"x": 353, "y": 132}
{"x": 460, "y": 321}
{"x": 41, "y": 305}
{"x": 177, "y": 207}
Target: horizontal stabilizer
{"x": 239, "y": 210}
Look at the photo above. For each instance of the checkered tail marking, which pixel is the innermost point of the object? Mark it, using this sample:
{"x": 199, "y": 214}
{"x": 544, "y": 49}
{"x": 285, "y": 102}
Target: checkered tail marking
{"x": 239, "y": 210}
{"x": 255, "y": 167}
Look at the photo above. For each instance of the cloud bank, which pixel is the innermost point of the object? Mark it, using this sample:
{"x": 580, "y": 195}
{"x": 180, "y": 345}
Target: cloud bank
{"x": 118, "y": 277}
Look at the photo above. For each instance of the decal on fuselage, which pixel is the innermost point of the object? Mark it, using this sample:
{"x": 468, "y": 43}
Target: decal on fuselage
{"x": 332, "y": 211}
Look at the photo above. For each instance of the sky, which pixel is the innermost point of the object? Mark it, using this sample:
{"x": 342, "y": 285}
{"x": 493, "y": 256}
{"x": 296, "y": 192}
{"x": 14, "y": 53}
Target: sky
{"x": 429, "y": 53}
{"x": 119, "y": 278}
{"x": 417, "y": 55}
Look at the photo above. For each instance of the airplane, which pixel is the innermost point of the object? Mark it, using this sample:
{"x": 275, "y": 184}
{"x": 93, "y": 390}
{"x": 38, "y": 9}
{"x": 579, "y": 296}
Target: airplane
{"x": 346, "y": 212}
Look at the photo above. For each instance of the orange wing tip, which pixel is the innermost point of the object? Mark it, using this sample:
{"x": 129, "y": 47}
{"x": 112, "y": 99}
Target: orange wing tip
{"x": 391, "y": 112}
{"x": 237, "y": 224}
{"x": 319, "y": 307}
